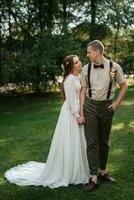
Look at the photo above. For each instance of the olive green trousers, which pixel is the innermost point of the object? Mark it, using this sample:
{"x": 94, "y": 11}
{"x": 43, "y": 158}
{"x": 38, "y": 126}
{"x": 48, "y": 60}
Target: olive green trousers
{"x": 98, "y": 122}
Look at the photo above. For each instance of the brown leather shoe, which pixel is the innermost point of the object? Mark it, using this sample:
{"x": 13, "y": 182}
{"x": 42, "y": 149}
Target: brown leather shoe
{"x": 90, "y": 186}
{"x": 106, "y": 177}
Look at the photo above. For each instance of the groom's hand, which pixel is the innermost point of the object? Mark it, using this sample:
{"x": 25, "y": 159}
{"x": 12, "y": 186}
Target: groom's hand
{"x": 83, "y": 119}
{"x": 113, "y": 107}
{"x": 80, "y": 120}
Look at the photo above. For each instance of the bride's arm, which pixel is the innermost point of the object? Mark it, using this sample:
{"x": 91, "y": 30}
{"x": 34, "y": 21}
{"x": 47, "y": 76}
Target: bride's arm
{"x": 71, "y": 97}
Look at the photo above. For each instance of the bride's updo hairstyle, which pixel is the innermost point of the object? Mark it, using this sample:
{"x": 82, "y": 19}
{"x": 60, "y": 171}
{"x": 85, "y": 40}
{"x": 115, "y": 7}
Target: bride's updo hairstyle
{"x": 67, "y": 67}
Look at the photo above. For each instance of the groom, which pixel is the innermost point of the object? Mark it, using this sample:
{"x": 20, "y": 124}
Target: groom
{"x": 99, "y": 79}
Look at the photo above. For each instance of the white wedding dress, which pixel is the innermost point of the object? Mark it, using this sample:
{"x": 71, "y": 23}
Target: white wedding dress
{"x": 67, "y": 160}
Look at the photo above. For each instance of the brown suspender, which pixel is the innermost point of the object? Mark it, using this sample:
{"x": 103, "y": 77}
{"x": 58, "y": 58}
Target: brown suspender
{"x": 110, "y": 83}
{"x": 89, "y": 84}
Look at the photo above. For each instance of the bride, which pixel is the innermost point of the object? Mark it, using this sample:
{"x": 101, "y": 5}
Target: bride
{"x": 67, "y": 160}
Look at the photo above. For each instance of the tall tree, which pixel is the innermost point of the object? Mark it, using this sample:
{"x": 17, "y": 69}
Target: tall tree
{"x": 120, "y": 17}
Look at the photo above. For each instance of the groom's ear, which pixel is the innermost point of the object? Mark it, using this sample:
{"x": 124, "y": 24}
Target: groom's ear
{"x": 98, "y": 51}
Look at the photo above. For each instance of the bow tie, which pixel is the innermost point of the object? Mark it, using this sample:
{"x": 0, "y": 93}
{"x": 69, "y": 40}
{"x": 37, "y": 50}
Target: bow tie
{"x": 99, "y": 66}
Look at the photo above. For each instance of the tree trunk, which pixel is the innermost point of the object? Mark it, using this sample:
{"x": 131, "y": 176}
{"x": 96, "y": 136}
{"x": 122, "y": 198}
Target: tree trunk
{"x": 93, "y": 17}
{"x": 93, "y": 11}
{"x": 50, "y": 15}
{"x": 41, "y": 19}
{"x": 9, "y": 18}
{"x": 64, "y": 16}
{"x": 37, "y": 81}
{"x": 116, "y": 39}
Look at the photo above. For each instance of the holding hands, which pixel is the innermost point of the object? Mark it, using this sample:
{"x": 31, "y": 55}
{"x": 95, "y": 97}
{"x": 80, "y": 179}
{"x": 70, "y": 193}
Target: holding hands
{"x": 80, "y": 120}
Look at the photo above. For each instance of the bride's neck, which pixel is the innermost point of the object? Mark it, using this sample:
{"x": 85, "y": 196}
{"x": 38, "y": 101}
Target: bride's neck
{"x": 75, "y": 73}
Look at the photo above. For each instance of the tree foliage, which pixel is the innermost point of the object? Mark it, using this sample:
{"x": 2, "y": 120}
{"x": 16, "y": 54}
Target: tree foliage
{"x": 37, "y": 34}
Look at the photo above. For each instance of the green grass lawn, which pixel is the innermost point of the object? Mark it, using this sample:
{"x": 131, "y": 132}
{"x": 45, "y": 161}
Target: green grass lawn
{"x": 26, "y": 129}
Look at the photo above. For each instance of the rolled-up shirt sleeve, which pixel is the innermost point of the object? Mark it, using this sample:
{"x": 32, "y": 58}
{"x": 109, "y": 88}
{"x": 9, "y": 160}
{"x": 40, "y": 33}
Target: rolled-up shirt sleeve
{"x": 120, "y": 78}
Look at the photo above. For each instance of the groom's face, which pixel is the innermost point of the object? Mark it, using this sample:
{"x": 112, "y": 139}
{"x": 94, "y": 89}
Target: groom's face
{"x": 92, "y": 54}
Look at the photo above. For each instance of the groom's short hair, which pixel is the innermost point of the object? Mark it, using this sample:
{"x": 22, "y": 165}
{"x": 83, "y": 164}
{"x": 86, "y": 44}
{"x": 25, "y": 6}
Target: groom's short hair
{"x": 96, "y": 45}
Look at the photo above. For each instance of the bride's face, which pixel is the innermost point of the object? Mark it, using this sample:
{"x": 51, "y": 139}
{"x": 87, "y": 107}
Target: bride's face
{"x": 77, "y": 64}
